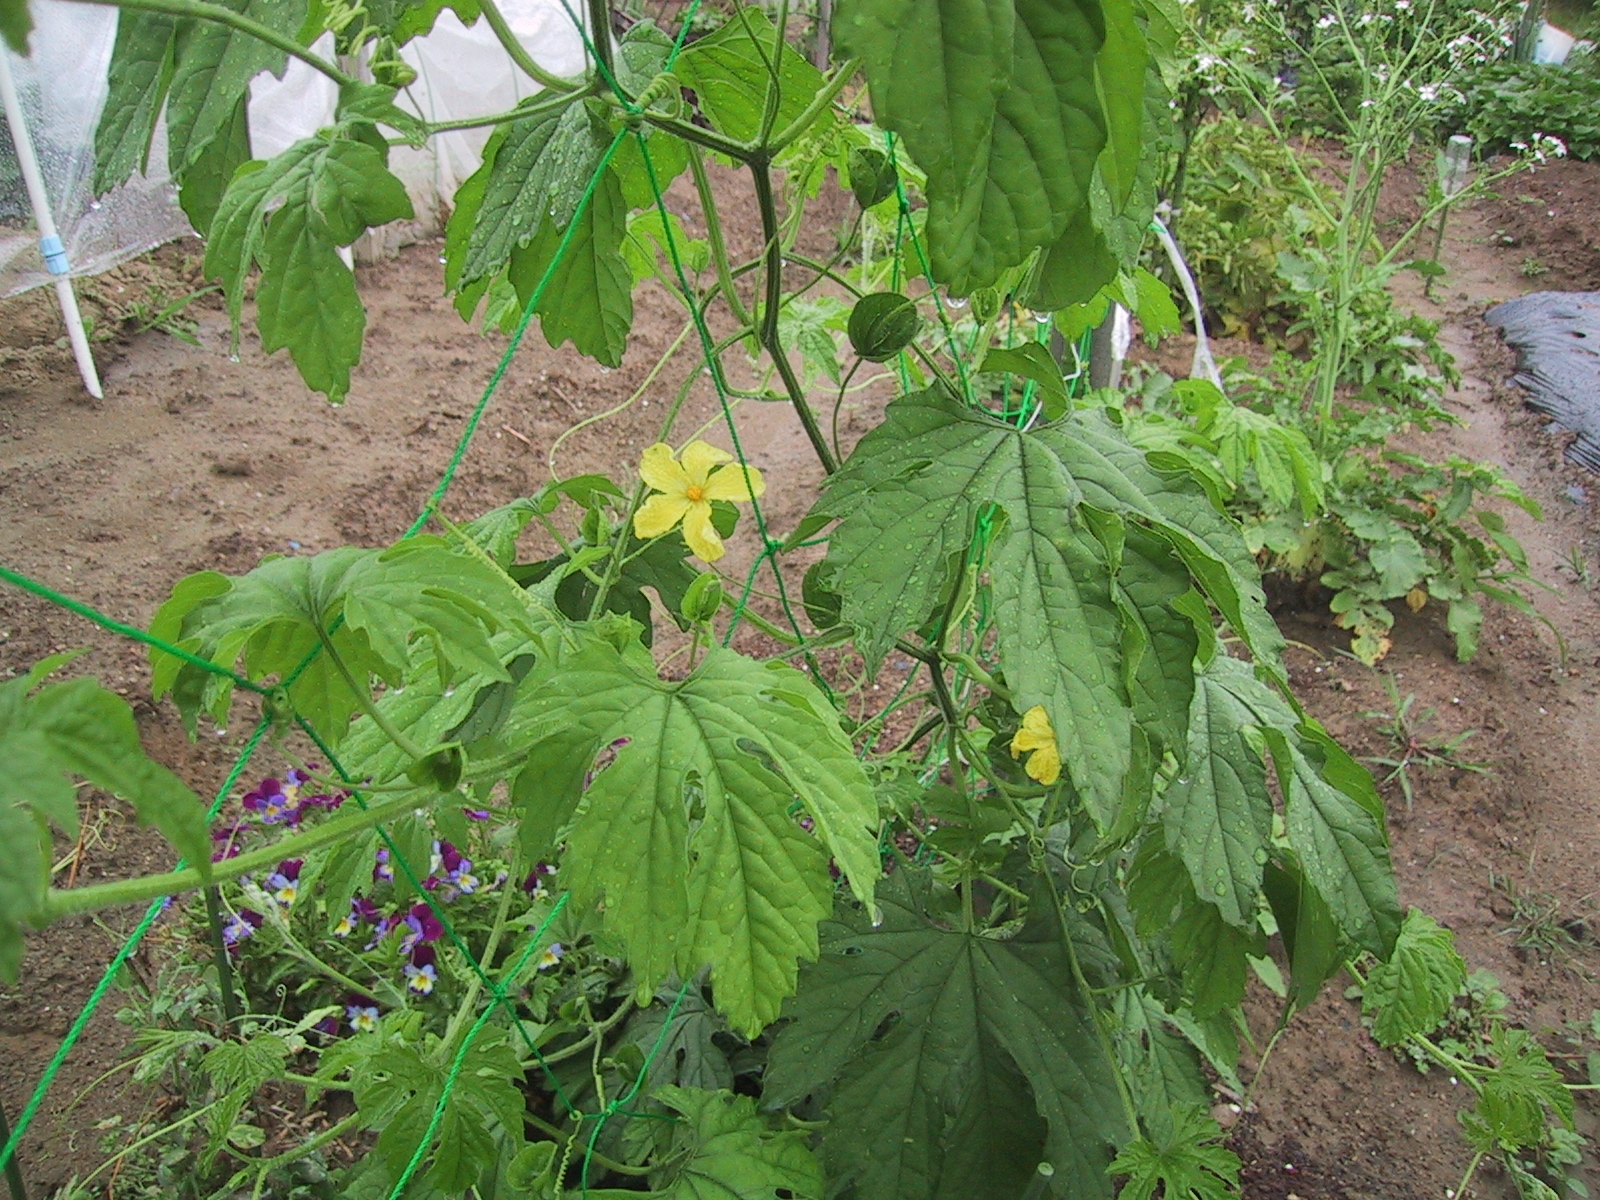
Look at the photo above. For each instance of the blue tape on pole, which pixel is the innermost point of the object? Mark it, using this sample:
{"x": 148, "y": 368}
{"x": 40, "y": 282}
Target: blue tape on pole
{"x": 55, "y": 255}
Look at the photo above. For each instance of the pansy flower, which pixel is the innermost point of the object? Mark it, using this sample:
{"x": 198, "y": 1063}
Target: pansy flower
{"x": 362, "y": 1013}
{"x": 421, "y": 973}
{"x": 1038, "y": 737}
{"x": 383, "y": 872}
{"x": 284, "y": 883}
{"x": 275, "y": 801}
{"x": 684, "y": 492}
{"x": 422, "y": 925}
{"x": 457, "y": 868}
{"x": 534, "y": 883}
{"x": 476, "y": 814}
{"x": 362, "y": 911}
{"x": 241, "y": 925}
{"x": 553, "y": 954}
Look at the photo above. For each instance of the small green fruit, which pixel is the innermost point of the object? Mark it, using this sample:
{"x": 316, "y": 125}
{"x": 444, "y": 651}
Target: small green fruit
{"x": 882, "y": 325}
{"x": 703, "y": 598}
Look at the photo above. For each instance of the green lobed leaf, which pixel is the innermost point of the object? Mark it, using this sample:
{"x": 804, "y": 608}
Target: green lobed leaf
{"x": 729, "y": 73}
{"x": 1334, "y": 820}
{"x": 1219, "y": 816}
{"x": 206, "y": 181}
{"x": 1212, "y": 955}
{"x": 1161, "y": 1066}
{"x": 1189, "y": 1164}
{"x": 212, "y": 68}
{"x": 1411, "y": 992}
{"x": 538, "y": 170}
{"x": 274, "y": 618}
{"x": 53, "y": 732}
{"x": 692, "y": 834}
{"x": 139, "y": 76}
{"x": 908, "y": 500}
{"x": 590, "y": 295}
{"x": 937, "y": 1104}
{"x": 997, "y": 102}
{"x": 731, "y": 1153}
{"x": 290, "y": 215}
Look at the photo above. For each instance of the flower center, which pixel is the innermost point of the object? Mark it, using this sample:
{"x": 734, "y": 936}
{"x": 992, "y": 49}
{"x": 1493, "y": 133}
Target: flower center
{"x": 694, "y": 493}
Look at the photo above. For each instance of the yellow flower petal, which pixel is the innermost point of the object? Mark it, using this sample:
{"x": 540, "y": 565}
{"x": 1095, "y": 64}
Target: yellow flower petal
{"x": 659, "y": 514}
{"x": 1035, "y": 734}
{"x": 658, "y": 469}
{"x": 698, "y": 460}
{"x": 728, "y": 483}
{"x": 1044, "y": 764}
{"x": 701, "y": 535}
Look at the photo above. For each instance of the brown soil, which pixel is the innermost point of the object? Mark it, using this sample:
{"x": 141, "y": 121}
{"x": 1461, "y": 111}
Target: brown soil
{"x": 195, "y": 460}
{"x": 1547, "y": 222}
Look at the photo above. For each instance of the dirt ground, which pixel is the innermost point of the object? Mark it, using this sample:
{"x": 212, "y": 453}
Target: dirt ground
{"x": 196, "y": 459}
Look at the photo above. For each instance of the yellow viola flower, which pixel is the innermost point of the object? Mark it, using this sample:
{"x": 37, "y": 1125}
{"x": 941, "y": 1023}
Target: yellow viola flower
{"x": 1044, "y": 764}
{"x": 684, "y": 492}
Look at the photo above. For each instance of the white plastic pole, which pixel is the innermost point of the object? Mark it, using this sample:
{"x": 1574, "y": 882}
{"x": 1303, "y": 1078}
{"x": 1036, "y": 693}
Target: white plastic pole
{"x": 55, "y": 255}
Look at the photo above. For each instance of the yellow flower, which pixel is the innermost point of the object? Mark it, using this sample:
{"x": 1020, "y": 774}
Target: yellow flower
{"x": 684, "y": 492}
{"x": 1044, "y": 764}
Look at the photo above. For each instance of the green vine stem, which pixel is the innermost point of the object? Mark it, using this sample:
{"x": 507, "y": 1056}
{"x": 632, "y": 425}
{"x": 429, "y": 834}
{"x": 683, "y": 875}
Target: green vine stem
{"x": 60, "y": 903}
{"x": 519, "y": 53}
{"x": 364, "y": 698}
{"x": 719, "y": 247}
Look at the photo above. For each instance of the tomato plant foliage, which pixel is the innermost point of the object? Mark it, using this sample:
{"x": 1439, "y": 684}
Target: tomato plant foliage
{"x": 984, "y": 968}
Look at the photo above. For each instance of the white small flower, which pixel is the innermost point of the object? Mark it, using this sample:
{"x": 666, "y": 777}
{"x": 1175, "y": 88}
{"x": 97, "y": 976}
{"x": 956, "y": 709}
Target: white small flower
{"x": 1327, "y": 21}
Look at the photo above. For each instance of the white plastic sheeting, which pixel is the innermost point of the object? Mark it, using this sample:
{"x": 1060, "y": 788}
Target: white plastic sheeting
{"x": 62, "y": 86}
{"x": 462, "y": 72}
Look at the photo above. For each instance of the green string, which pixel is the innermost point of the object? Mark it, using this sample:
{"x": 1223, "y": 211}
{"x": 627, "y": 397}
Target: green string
{"x": 121, "y": 957}
{"x": 129, "y": 631}
{"x": 615, "y": 1106}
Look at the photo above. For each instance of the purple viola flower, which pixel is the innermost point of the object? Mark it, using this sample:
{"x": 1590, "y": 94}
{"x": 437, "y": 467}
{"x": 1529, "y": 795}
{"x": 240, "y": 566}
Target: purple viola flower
{"x": 243, "y": 924}
{"x": 362, "y": 911}
{"x": 327, "y": 801}
{"x": 362, "y": 1013}
{"x": 328, "y": 1025}
{"x": 383, "y": 872}
{"x": 476, "y": 814}
{"x": 276, "y": 802}
{"x": 284, "y": 883}
{"x": 534, "y": 883}
{"x": 421, "y": 973}
{"x": 457, "y": 868}
{"x": 422, "y": 925}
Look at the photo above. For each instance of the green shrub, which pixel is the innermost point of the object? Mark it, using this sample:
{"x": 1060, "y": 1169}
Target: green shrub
{"x": 1505, "y": 105}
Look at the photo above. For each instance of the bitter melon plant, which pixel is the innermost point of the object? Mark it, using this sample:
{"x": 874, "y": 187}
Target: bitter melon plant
{"x": 984, "y": 956}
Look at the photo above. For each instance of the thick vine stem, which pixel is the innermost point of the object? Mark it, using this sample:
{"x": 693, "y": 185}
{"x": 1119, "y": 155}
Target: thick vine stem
{"x": 600, "y": 37}
{"x": 58, "y": 903}
{"x": 226, "y": 16}
{"x": 820, "y": 101}
{"x": 761, "y": 173}
{"x": 519, "y": 53}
